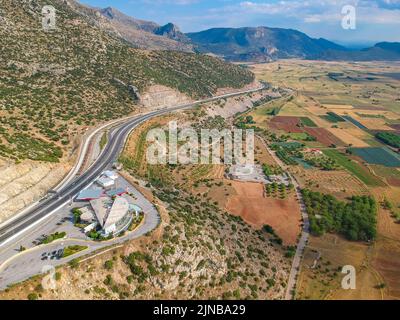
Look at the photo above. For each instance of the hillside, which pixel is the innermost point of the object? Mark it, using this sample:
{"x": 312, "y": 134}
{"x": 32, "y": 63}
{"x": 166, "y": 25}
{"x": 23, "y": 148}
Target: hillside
{"x": 259, "y": 44}
{"x": 141, "y": 34}
{"x": 55, "y": 83}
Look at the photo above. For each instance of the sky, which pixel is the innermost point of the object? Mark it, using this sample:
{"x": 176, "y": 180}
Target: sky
{"x": 375, "y": 20}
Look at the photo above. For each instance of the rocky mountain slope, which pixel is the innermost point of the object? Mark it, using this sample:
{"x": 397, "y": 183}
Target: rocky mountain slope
{"x": 142, "y": 34}
{"x": 254, "y": 44}
{"x": 55, "y": 84}
{"x": 263, "y": 44}
{"x": 260, "y": 44}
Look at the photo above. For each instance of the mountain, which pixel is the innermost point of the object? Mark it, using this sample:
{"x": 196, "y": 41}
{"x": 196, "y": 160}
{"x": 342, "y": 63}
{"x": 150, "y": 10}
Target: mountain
{"x": 56, "y": 84}
{"x": 263, "y": 44}
{"x": 140, "y": 33}
{"x": 383, "y": 51}
{"x": 248, "y": 44}
{"x": 260, "y": 43}
{"x": 172, "y": 31}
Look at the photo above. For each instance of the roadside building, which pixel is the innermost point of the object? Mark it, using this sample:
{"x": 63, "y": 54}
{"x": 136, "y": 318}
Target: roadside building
{"x": 116, "y": 192}
{"x": 118, "y": 217}
{"x": 113, "y": 216}
{"x": 110, "y": 174}
{"x": 105, "y": 182}
{"x": 89, "y": 194}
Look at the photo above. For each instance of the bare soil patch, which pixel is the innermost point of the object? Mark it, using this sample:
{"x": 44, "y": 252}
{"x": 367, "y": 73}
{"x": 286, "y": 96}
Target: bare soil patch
{"x": 249, "y": 203}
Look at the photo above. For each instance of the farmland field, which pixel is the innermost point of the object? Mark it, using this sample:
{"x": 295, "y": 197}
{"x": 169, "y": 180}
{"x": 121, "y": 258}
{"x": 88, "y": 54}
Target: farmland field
{"x": 391, "y": 175}
{"x": 361, "y": 173}
{"x": 307, "y": 122}
{"x": 381, "y": 156}
{"x": 324, "y": 136}
{"x": 286, "y": 123}
{"x": 352, "y": 108}
{"x": 348, "y": 137}
{"x": 355, "y": 122}
{"x": 332, "y": 117}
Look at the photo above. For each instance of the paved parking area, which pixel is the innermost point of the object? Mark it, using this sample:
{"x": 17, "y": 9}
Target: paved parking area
{"x": 17, "y": 266}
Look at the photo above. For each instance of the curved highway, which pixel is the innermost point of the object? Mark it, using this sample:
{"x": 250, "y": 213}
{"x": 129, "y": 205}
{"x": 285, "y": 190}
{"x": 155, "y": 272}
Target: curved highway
{"x": 110, "y": 154}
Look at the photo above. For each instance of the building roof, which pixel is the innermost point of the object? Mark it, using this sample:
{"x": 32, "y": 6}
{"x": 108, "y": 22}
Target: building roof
{"x": 90, "y": 194}
{"x": 118, "y": 210}
{"x": 104, "y": 181}
{"x": 110, "y": 174}
{"x": 101, "y": 208}
{"x": 116, "y": 192}
{"x": 87, "y": 214}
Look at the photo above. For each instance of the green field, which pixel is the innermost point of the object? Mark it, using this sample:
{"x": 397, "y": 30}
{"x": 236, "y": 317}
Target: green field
{"x": 361, "y": 173}
{"x": 332, "y": 117}
{"x": 382, "y": 156}
{"x": 298, "y": 135}
{"x": 308, "y": 122}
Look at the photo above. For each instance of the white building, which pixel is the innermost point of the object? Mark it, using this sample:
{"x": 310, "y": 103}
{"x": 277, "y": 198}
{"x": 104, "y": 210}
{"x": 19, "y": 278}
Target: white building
{"x": 113, "y": 216}
{"x": 105, "y": 182}
{"x": 110, "y": 174}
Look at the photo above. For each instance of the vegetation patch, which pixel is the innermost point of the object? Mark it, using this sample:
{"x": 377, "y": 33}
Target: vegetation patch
{"x": 390, "y": 138}
{"x": 71, "y": 250}
{"x": 305, "y": 121}
{"x": 333, "y": 117}
{"x": 53, "y": 237}
{"x": 355, "y": 219}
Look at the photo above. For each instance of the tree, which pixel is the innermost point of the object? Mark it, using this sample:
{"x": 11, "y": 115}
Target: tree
{"x": 109, "y": 264}
{"x": 33, "y": 296}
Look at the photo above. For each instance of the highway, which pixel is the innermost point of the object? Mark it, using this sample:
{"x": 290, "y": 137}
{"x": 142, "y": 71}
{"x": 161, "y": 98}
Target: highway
{"x": 116, "y": 142}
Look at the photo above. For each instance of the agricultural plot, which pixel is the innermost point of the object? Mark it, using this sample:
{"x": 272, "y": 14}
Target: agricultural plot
{"x": 332, "y": 117}
{"x": 390, "y": 174}
{"x": 373, "y": 123}
{"x": 355, "y": 122}
{"x": 339, "y": 183}
{"x": 355, "y": 168}
{"x": 348, "y": 137}
{"x": 286, "y": 123}
{"x": 307, "y": 122}
{"x": 324, "y": 136}
{"x": 395, "y": 126}
{"x": 382, "y": 156}
{"x": 293, "y": 125}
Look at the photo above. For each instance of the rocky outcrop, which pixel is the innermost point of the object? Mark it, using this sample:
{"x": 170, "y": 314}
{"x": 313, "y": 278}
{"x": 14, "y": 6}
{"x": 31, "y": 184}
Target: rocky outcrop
{"x": 157, "y": 97}
{"x": 23, "y": 184}
{"x": 227, "y": 108}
